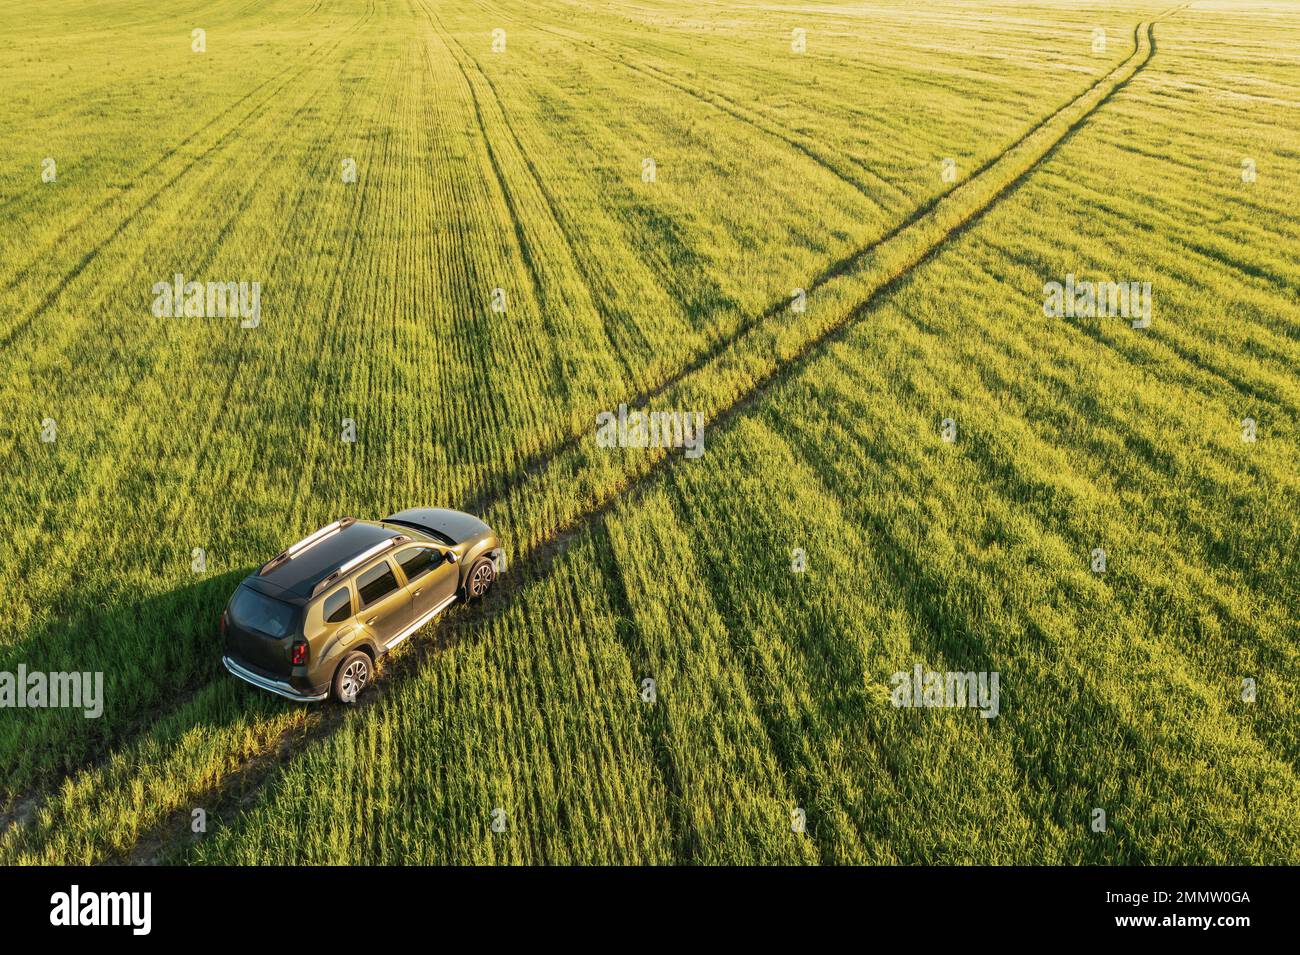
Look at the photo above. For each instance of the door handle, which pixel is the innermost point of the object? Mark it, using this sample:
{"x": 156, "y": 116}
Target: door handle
{"x": 420, "y": 591}
{"x": 371, "y": 620}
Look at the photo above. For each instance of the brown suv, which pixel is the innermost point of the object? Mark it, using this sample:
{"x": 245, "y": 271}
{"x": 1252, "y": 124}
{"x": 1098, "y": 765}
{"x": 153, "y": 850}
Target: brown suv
{"x": 315, "y": 618}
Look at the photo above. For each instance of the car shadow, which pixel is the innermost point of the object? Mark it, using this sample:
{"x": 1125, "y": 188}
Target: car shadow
{"x": 152, "y": 656}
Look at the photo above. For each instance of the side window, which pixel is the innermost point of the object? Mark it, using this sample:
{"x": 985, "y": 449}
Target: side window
{"x": 418, "y": 560}
{"x": 376, "y": 583}
{"x": 338, "y": 605}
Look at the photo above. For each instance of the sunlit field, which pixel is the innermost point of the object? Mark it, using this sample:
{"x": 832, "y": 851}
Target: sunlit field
{"x": 843, "y": 235}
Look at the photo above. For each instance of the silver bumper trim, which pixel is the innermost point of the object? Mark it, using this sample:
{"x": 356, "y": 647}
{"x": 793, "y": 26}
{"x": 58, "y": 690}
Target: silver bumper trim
{"x": 275, "y": 686}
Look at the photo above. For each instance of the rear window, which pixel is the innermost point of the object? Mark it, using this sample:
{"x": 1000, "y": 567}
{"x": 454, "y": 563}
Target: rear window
{"x": 254, "y": 611}
{"x": 376, "y": 583}
{"x": 338, "y": 605}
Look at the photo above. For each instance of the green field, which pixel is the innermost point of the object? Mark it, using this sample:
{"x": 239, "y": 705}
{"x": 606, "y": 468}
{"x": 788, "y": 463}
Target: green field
{"x": 505, "y": 267}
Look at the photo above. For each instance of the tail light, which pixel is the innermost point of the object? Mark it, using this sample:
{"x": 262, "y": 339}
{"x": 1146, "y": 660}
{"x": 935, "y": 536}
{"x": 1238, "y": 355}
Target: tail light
{"x": 298, "y": 653}
{"x": 223, "y": 623}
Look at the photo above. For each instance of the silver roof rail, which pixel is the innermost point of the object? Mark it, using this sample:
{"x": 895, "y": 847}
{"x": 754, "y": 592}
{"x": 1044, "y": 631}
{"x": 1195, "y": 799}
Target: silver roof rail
{"x": 360, "y": 559}
{"x": 292, "y": 551}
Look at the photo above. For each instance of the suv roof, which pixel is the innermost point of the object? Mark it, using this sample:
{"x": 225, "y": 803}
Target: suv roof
{"x": 289, "y": 576}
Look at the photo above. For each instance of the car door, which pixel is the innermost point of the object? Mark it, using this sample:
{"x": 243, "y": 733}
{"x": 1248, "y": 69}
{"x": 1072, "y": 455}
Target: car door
{"x": 385, "y": 605}
{"x": 430, "y": 577}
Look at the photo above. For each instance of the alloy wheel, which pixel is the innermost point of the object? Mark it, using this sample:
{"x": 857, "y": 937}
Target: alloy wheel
{"x": 354, "y": 679}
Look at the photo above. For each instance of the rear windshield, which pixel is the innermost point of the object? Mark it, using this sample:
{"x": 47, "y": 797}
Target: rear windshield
{"x": 254, "y": 611}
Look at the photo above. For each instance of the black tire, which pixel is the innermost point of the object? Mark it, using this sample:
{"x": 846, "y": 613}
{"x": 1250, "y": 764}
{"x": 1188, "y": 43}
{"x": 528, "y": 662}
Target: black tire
{"x": 479, "y": 579}
{"x": 352, "y": 677}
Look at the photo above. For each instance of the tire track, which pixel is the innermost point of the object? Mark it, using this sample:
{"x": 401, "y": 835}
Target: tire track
{"x": 541, "y": 556}
{"x": 537, "y": 464}
{"x": 916, "y": 243}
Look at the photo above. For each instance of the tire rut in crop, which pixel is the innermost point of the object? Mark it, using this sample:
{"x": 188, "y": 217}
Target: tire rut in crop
{"x": 538, "y": 463}
{"x": 542, "y": 556}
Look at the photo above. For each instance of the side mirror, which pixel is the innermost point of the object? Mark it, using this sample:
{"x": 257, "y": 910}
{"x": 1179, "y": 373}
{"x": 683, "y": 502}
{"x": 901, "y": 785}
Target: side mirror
{"x": 451, "y": 556}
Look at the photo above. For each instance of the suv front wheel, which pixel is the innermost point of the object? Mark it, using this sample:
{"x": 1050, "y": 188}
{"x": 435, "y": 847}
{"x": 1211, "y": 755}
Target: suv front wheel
{"x": 352, "y": 676}
{"x": 480, "y": 578}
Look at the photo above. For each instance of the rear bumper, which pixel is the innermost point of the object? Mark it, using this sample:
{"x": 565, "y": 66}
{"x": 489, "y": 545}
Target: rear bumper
{"x": 274, "y": 686}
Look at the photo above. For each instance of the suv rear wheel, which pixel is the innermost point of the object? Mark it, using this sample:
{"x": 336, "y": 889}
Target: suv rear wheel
{"x": 352, "y": 676}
